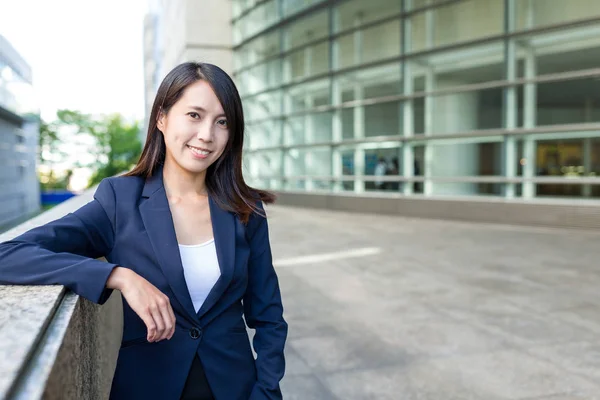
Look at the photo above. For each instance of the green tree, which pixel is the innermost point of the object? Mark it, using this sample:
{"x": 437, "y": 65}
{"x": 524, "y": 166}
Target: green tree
{"x": 116, "y": 147}
{"x": 50, "y": 153}
{"x": 121, "y": 146}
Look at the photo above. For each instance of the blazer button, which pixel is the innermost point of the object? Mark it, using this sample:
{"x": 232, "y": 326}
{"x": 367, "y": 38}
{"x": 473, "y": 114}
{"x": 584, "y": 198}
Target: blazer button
{"x": 195, "y": 333}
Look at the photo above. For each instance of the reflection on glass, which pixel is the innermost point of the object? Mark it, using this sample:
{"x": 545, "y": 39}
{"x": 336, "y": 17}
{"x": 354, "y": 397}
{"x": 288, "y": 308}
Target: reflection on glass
{"x": 535, "y": 13}
{"x": 306, "y": 30}
{"x": 16, "y": 94}
{"x": 351, "y": 14}
{"x": 293, "y": 6}
{"x": 443, "y": 26}
{"x": 568, "y": 158}
{"x": 365, "y": 46}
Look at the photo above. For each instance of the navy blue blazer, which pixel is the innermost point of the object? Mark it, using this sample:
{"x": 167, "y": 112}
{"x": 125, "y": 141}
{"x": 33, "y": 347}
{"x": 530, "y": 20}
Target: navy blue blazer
{"x": 129, "y": 222}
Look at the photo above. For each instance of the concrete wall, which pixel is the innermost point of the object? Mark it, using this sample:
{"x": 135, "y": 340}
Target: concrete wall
{"x": 86, "y": 360}
{"x": 562, "y": 214}
{"x": 208, "y": 32}
{"x": 54, "y": 344}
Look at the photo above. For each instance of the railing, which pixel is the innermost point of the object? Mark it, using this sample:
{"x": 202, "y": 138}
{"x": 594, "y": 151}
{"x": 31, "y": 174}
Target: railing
{"x": 54, "y": 344}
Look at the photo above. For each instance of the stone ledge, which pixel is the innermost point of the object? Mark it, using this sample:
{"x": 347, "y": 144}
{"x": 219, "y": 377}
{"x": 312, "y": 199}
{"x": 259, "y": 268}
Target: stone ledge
{"x": 54, "y": 344}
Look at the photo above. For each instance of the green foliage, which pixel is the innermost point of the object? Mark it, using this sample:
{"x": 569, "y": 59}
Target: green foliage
{"x": 122, "y": 148}
{"x": 116, "y": 147}
{"x": 52, "y": 182}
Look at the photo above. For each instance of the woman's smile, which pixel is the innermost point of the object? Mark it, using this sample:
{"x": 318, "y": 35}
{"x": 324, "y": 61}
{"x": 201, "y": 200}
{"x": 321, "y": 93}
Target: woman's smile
{"x": 198, "y": 152}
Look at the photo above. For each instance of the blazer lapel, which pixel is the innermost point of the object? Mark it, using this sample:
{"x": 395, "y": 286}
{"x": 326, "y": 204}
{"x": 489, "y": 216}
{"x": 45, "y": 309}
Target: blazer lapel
{"x": 158, "y": 221}
{"x": 223, "y": 225}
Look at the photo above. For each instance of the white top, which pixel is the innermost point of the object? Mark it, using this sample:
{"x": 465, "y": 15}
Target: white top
{"x": 201, "y": 269}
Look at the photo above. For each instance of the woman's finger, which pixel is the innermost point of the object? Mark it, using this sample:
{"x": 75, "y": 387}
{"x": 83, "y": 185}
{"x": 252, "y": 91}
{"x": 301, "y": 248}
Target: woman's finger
{"x": 173, "y": 319}
{"x": 150, "y": 325}
{"x": 158, "y": 320}
{"x": 164, "y": 309}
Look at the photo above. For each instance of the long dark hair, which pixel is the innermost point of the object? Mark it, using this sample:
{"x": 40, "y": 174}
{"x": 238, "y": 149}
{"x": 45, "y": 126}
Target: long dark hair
{"x": 224, "y": 180}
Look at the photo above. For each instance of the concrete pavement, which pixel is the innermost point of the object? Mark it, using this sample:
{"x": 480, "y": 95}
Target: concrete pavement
{"x": 396, "y": 308}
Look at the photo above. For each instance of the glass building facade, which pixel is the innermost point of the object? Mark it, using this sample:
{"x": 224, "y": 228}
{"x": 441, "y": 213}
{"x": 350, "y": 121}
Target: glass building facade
{"x": 19, "y": 133}
{"x": 458, "y": 97}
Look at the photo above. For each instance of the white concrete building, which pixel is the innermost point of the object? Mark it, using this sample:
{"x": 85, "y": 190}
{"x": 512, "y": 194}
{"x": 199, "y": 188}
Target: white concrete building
{"x": 176, "y": 31}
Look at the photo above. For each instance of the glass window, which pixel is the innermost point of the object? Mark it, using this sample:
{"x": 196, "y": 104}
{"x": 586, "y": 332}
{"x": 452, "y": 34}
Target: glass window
{"x": 475, "y": 64}
{"x": 384, "y": 161}
{"x": 306, "y": 62}
{"x": 257, "y": 50}
{"x": 416, "y": 4}
{"x": 238, "y": 7}
{"x": 318, "y": 161}
{"x": 559, "y": 51}
{"x": 568, "y": 102}
{"x": 569, "y": 158}
{"x": 383, "y": 119}
{"x": 305, "y": 30}
{"x": 265, "y": 168}
{"x": 348, "y": 118}
{"x": 457, "y": 22}
{"x": 253, "y": 80}
{"x": 260, "y": 77}
{"x": 460, "y": 112}
{"x": 294, "y": 6}
{"x": 263, "y": 134}
{"x": 370, "y": 83}
{"x": 449, "y": 69}
{"x": 307, "y": 96}
{"x": 274, "y": 73}
{"x": 263, "y": 106}
{"x": 535, "y": 13}
{"x": 354, "y": 13}
{"x": 444, "y": 160}
{"x": 256, "y": 20}
{"x": 16, "y": 93}
{"x": 309, "y": 128}
{"x": 294, "y": 166}
{"x": 366, "y": 45}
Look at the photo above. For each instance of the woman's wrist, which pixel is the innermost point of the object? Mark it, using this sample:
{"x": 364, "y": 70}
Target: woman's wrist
{"x": 118, "y": 278}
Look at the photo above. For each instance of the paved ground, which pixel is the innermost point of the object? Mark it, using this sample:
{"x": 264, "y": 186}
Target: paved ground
{"x": 423, "y": 309}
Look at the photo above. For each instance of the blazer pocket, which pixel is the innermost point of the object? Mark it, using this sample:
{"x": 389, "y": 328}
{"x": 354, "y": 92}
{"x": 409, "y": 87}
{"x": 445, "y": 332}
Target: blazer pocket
{"x": 133, "y": 342}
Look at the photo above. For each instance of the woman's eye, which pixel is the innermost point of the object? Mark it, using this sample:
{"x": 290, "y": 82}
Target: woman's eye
{"x": 194, "y": 115}
{"x": 222, "y": 122}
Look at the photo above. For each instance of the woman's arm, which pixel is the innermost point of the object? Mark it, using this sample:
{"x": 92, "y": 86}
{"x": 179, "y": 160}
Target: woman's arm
{"x": 263, "y": 311}
{"x": 65, "y": 251}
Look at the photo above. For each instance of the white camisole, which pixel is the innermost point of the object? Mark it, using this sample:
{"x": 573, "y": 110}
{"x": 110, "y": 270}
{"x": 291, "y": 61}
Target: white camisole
{"x": 201, "y": 269}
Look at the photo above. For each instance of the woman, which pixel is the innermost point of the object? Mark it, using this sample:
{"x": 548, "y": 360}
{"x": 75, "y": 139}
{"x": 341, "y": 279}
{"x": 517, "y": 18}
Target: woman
{"x": 187, "y": 246}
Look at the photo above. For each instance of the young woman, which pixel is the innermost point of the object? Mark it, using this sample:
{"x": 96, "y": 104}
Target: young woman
{"x": 187, "y": 246}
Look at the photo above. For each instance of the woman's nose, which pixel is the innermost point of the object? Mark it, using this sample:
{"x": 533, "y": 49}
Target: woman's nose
{"x": 204, "y": 133}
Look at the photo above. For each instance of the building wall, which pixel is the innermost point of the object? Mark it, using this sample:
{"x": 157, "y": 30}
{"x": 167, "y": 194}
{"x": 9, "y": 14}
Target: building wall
{"x": 176, "y": 31}
{"x": 19, "y": 132}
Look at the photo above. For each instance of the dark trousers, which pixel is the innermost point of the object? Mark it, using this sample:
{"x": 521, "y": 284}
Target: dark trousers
{"x": 196, "y": 386}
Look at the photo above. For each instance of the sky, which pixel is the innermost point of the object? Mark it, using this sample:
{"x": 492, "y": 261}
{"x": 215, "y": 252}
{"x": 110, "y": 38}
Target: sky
{"x": 85, "y": 55}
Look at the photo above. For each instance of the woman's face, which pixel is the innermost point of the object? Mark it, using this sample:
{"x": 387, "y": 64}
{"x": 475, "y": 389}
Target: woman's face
{"x": 195, "y": 129}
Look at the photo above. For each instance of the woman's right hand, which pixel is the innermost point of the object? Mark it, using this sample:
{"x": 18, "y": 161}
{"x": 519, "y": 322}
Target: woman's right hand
{"x": 149, "y": 303}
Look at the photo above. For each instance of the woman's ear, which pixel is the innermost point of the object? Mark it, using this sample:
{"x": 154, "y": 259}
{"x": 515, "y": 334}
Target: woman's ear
{"x": 160, "y": 121}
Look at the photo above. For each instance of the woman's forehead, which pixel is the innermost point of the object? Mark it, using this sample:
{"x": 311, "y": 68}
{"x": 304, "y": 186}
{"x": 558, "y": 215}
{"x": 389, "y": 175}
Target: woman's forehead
{"x": 201, "y": 95}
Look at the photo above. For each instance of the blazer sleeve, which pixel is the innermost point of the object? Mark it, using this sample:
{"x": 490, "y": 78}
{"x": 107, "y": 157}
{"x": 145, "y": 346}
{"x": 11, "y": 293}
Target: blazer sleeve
{"x": 65, "y": 251}
{"x": 263, "y": 311}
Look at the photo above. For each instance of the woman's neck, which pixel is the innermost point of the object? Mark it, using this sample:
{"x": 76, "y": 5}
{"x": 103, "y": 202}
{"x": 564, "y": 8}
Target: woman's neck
{"x": 181, "y": 183}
